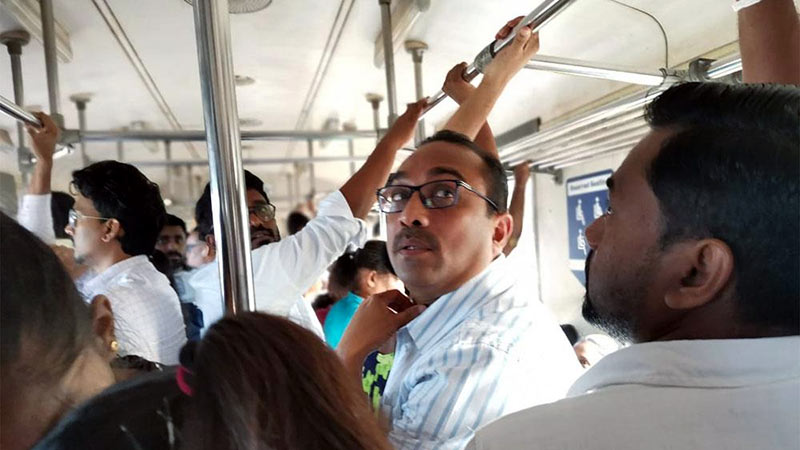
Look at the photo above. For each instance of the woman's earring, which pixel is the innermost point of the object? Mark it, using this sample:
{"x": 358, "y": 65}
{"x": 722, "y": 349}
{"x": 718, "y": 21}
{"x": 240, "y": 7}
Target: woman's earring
{"x": 114, "y": 346}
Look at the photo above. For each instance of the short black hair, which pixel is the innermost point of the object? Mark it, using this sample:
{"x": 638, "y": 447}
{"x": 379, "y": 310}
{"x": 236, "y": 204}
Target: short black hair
{"x": 41, "y": 306}
{"x": 373, "y": 256}
{"x": 296, "y": 221}
{"x": 203, "y": 213}
{"x": 571, "y": 332}
{"x": 175, "y": 221}
{"x": 120, "y": 191}
{"x": 60, "y": 204}
{"x": 731, "y": 171}
{"x": 494, "y": 175}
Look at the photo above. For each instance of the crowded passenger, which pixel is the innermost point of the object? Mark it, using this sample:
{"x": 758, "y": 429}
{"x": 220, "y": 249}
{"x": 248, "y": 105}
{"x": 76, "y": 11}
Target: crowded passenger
{"x": 522, "y": 173}
{"x": 260, "y": 381}
{"x": 368, "y": 271}
{"x": 172, "y": 242}
{"x": 285, "y": 269}
{"x": 51, "y": 361}
{"x": 198, "y": 252}
{"x": 696, "y": 263}
{"x": 473, "y": 347}
{"x": 114, "y": 224}
{"x": 594, "y": 347}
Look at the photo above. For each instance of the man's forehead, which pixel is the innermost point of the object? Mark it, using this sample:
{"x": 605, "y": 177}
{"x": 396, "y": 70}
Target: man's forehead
{"x": 172, "y": 230}
{"x": 637, "y": 163}
{"x": 437, "y": 159}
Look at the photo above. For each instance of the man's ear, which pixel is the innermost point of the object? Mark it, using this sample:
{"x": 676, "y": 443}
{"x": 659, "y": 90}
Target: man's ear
{"x": 503, "y": 226}
{"x": 103, "y": 326}
{"x": 210, "y": 241}
{"x": 113, "y": 230}
{"x": 707, "y": 267}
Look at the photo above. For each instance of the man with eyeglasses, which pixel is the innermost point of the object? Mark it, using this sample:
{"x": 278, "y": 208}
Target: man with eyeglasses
{"x": 284, "y": 269}
{"x": 114, "y": 224}
{"x": 475, "y": 346}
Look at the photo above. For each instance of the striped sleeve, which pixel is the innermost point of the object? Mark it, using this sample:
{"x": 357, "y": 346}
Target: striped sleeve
{"x": 457, "y": 391}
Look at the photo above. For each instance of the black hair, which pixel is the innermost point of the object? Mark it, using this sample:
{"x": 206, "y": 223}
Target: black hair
{"x": 120, "y": 191}
{"x": 175, "y": 221}
{"x": 60, "y": 204}
{"x": 296, "y": 221}
{"x": 203, "y": 214}
{"x": 40, "y": 307}
{"x": 731, "y": 171}
{"x": 373, "y": 256}
{"x": 571, "y": 332}
{"x": 494, "y": 175}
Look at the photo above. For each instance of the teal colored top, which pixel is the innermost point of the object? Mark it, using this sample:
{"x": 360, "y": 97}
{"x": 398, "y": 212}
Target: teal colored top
{"x": 339, "y": 317}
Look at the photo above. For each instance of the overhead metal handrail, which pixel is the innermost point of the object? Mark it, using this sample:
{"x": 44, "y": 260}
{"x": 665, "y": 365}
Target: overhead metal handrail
{"x": 536, "y": 20}
{"x": 591, "y": 70}
{"x": 16, "y": 112}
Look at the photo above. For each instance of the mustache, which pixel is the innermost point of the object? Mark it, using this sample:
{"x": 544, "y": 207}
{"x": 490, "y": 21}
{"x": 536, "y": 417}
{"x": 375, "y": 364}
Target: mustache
{"x": 260, "y": 229}
{"x": 414, "y": 233}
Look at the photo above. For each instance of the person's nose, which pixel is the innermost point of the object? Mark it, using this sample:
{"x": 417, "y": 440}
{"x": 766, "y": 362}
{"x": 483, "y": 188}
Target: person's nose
{"x": 415, "y": 214}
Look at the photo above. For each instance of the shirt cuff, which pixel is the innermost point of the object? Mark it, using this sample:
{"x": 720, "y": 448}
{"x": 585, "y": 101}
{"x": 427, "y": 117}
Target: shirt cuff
{"x": 336, "y": 205}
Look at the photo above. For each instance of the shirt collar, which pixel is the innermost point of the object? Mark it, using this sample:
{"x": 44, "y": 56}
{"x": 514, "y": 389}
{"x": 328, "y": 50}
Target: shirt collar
{"x": 696, "y": 363}
{"x": 449, "y": 310}
{"x": 123, "y": 266}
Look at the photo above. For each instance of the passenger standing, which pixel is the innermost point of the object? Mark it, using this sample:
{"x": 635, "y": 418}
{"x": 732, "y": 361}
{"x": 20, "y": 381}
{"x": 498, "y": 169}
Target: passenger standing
{"x": 284, "y": 269}
{"x": 482, "y": 348}
{"x": 114, "y": 224}
{"x": 198, "y": 252}
{"x": 370, "y": 272}
{"x": 257, "y": 381}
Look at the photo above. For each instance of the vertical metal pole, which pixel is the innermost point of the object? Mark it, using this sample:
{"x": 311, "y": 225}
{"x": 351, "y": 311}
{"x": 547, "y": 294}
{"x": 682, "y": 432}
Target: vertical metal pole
{"x": 80, "y": 104}
{"x": 120, "y": 151}
{"x": 231, "y": 221}
{"x": 15, "y": 40}
{"x": 189, "y": 183}
{"x": 417, "y": 48}
{"x": 375, "y": 100}
{"x": 388, "y": 51}
{"x": 311, "y": 175}
{"x": 290, "y": 189}
{"x": 51, "y": 60}
{"x": 168, "y": 156}
{"x": 296, "y": 192}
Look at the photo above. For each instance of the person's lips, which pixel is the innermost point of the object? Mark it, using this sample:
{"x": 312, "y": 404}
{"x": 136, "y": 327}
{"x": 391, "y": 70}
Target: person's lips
{"x": 414, "y": 243}
{"x": 261, "y": 236}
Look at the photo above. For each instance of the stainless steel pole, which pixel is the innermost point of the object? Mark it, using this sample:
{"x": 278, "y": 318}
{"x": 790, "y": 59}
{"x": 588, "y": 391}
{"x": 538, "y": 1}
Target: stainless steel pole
{"x": 388, "y": 51}
{"x": 51, "y": 60}
{"x": 351, "y": 147}
{"x": 417, "y": 48}
{"x": 16, "y": 112}
{"x": 14, "y": 41}
{"x": 580, "y": 68}
{"x": 200, "y": 135}
{"x": 168, "y": 158}
{"x": 80, "y": 104}
{"x": 120, "y": 151}
{"x": 375, "y": 100}
{"x": 231, "y": 219}
{"x": 312, "y": 179}
{"x": 536, "y": 20}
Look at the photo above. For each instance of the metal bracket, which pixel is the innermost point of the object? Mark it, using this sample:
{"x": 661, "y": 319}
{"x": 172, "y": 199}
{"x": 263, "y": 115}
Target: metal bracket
{"x": 698, "y": 69}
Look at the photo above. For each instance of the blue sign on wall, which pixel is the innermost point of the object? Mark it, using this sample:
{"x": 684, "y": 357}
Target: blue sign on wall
{"x": 587, "y": 200}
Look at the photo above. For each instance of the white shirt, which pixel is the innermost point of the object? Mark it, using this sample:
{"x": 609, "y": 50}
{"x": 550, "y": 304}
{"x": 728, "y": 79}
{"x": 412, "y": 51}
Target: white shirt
{"x": 283, "y": 271}
{"x": 703, "y": 394}
{"x": 485, "y": 350}
{"x": 147, "y": 314}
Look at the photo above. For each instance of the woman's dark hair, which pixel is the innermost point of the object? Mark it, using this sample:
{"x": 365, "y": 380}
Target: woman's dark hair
{"x": 41, "y": 310}
{"x": 203, "y": 213}
{"x": 494, "y": 175}
{"x": 120, "y": 191}
{"x": 262, "y": 382}
{"x": 373, "y": 256}
{"x": 731, "y": 171}
{"x": 60, "y": 204}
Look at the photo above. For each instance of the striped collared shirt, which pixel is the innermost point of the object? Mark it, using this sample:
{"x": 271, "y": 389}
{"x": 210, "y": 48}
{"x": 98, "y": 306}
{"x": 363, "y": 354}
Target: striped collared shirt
{"x": 485, "y": 350}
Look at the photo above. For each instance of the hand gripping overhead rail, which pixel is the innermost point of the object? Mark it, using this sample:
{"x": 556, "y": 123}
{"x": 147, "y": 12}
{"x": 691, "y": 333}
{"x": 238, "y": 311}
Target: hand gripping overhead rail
{"x": 535, "y": 20}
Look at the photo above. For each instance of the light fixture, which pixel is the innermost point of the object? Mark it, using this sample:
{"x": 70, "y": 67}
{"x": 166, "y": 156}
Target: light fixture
{"x": 243, "y": 6}
{"x": 405, "y": 15}
{"x": 28, "y": 15}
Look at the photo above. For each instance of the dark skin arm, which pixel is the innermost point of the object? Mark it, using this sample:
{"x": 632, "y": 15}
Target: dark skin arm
{"x": 359, "y": 190}
{"x": 460, "y": 90}
{"x": 517, "y": 207}
{"x": 43, "y": 141}
{"x": 769, "y": 41}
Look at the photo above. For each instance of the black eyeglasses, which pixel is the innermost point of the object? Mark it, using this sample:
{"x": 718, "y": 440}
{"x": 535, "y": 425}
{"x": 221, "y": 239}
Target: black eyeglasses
{"x": 264, "y": 211}
{"x": 435, "y": 194}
